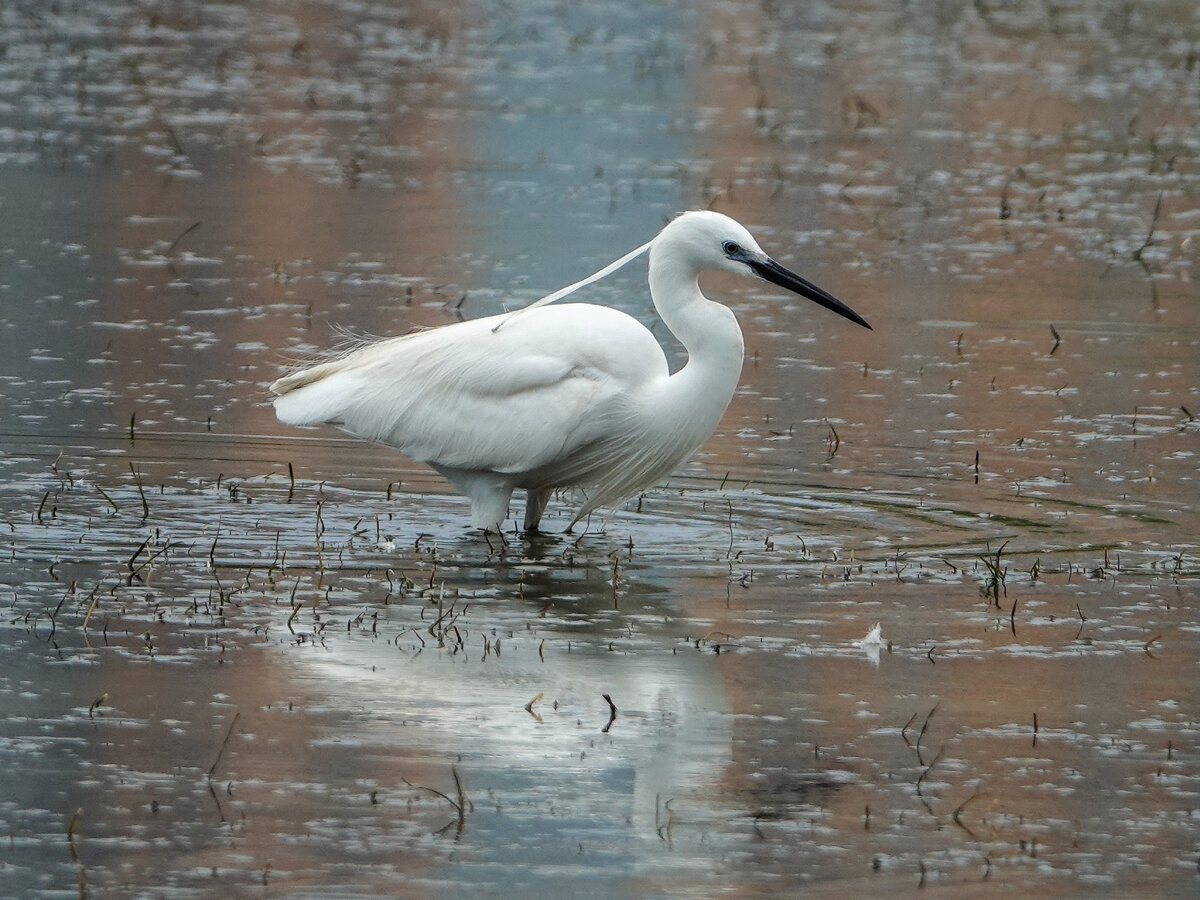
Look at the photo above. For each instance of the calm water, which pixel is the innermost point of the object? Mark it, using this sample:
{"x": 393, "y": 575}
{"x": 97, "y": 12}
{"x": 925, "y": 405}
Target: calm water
{"x": 246, "y": 660}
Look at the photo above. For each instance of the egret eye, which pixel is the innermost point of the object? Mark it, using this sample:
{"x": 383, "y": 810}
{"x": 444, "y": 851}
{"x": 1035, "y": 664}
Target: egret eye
{"x": 731, "y": 248}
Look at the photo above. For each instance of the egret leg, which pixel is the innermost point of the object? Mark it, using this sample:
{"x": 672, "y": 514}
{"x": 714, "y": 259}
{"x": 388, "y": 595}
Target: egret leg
{"x": 535, "y": 505}
{"x": 489, "y": 493}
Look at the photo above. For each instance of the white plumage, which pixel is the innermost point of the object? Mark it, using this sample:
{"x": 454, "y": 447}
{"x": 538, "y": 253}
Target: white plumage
{"x": 575, "y": 395}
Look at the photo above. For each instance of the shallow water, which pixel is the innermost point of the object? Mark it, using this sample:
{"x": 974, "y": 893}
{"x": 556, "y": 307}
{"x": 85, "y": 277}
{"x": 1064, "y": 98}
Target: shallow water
{"x": 242, "y": 659}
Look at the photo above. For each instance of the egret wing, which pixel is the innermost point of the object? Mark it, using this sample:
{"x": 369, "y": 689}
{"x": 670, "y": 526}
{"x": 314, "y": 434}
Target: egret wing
{"x": 471, "y": 396}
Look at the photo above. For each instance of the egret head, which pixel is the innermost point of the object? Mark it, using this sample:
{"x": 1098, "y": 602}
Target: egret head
{"x": 709, "y": 240}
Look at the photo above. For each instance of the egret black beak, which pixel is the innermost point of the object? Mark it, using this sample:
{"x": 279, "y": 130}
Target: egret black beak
{"x": 767, "y": 268}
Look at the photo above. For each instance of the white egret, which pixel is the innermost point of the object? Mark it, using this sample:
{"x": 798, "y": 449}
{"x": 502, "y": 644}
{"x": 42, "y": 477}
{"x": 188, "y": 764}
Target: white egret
{"x": 575, "y": 395}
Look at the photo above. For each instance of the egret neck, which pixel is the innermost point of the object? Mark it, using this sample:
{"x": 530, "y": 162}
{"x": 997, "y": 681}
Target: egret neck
{"x": 695, "y": 397}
